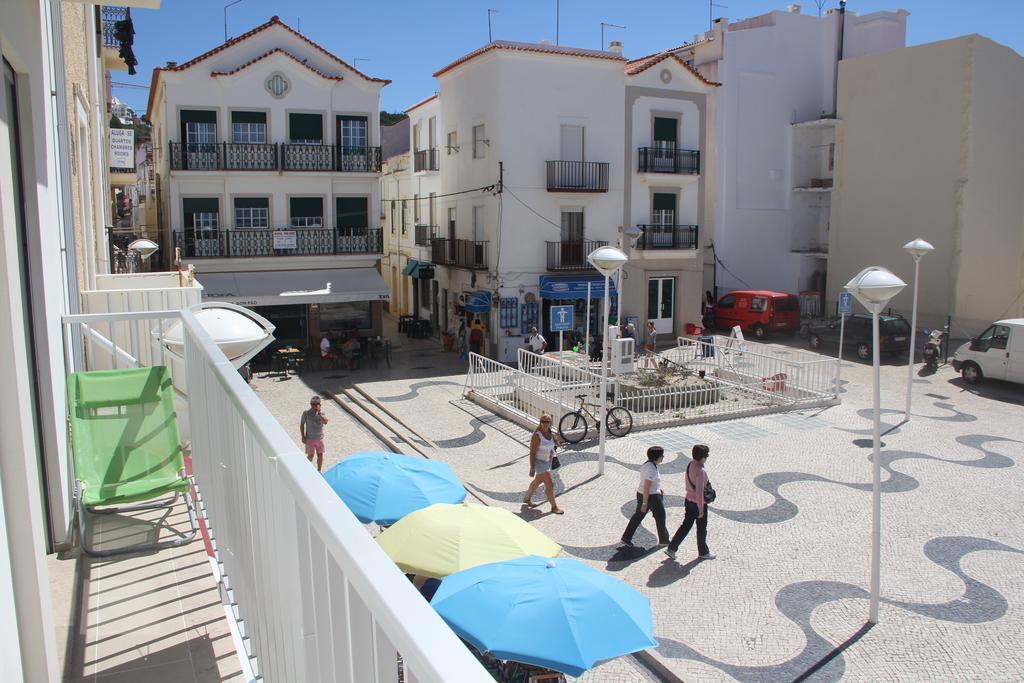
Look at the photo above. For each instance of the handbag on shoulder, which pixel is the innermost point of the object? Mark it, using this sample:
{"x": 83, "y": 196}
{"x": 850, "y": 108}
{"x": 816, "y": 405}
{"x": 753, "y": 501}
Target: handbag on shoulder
{"x": 709, "y": 491}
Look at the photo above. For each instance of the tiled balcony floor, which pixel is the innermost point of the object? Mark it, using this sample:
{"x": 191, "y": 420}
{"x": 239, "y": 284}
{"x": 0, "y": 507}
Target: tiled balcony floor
{"x": 151, "y": 616}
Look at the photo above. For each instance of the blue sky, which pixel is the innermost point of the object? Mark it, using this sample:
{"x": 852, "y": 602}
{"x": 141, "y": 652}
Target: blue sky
{"x": 407, "y": 40}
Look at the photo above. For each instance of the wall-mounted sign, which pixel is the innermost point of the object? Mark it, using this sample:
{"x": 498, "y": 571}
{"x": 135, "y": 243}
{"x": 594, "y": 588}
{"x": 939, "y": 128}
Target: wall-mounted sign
{"x": 285, "y": 239}
{"x": 122, "y": 148}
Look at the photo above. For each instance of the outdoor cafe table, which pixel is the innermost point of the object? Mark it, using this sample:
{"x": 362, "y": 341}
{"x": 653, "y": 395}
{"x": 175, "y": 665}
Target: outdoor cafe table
{"x": 290, "y": 357}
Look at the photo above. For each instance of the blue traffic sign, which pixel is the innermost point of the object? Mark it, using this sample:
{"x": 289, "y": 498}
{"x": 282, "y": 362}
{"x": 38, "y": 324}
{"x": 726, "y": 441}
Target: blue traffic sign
{"x": 561, "y": 318}
{"x": 845, "y": 303}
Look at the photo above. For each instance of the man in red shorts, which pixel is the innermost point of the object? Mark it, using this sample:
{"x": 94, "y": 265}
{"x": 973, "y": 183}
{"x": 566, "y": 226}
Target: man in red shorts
{"x": 311, "y": 427}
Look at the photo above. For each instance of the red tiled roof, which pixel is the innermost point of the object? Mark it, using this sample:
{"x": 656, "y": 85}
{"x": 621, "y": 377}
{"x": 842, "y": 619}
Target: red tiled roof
{"x": 637, "y": 66}
{"x": 421, "y": 103}
{"x": 540, "y": 48}
{"x": 223, "y": 46}
{"x": 276, "y": 50}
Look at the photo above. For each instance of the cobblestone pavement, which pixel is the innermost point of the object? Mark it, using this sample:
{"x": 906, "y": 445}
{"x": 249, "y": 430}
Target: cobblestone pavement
{"x": 787, "y": 595}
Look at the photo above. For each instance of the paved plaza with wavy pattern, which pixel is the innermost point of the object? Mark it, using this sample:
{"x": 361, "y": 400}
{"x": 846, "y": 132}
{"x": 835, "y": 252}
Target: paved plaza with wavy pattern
{"x": 786, "y": 598}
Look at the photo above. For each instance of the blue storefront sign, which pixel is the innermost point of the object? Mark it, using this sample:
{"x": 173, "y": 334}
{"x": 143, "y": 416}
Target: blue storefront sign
{"x": 573, "y": 287}
{"x": 478, "y": 302}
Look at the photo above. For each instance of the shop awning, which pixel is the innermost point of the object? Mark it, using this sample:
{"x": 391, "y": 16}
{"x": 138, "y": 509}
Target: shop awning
{"x": 573, "y": 286}
{"x": 412, "y": 267}
{"x": 285, "y": 287}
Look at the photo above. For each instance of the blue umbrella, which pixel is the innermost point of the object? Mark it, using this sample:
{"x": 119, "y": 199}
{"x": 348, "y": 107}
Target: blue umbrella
{"x": 556, "y": 613}
{"x": 384, "y": 487}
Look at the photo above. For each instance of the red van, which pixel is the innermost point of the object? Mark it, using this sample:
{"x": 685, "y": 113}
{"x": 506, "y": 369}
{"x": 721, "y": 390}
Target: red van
{"x": 759, "y": 312}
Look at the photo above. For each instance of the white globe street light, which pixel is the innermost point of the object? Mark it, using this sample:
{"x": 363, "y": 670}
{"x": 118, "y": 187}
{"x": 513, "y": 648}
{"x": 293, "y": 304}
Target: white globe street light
{"x": 238, "y": 332}
{"x": 916, "y": 248}
{"x": 146, "y": 248}
{"x": 607, "y": 261}
{"x": 874, "y": 287}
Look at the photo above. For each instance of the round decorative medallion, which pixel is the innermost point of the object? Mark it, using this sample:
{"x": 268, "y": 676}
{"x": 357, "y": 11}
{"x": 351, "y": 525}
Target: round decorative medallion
{"x": 277, "y": 85}
{"x": 666, "y": 76}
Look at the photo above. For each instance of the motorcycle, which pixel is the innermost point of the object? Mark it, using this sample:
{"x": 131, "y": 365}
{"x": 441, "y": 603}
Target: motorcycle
{"x": 932, "y": 350}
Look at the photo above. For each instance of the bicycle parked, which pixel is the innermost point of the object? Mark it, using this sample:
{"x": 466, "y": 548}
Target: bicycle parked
{"x": 573, "y": 426}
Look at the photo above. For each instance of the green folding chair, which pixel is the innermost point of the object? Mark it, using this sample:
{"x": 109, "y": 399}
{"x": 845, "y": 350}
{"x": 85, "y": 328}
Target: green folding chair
{"x": 127, "y": 448}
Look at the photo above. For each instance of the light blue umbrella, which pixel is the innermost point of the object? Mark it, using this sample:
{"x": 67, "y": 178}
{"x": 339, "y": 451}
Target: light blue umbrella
{"x": 384, "y": 487}
{"x": 556, "y": 613}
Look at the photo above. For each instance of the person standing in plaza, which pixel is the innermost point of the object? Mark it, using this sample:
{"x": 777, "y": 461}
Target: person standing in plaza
{"x": 542, "y": 451}
{"x": 696, "y": 510}
{"x": 649, "y": 496}
{"x": 311, "y": 427}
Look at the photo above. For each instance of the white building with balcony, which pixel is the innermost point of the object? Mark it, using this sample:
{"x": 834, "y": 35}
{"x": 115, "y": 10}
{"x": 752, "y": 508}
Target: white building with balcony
{"x": 543, "y": 154}
{"x": 775, "y": 141}
{"x": 268, "y": 151}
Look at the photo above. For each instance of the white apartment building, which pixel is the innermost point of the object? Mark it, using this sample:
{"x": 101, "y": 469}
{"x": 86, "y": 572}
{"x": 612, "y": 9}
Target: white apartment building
{"x": 775, "y": 141}
{"x": 269, "y": 158}
{"x": 544, "y": 153}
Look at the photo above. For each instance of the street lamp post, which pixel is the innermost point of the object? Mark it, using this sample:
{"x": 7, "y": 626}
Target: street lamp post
{"x": 874, "y": 287}
{"x": 916, "y": 248}
{"x": 607, "y": 260}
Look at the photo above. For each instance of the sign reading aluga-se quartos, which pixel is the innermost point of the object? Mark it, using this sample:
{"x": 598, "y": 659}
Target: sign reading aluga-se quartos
{"x": 122, "y": 148}
{"x": 285, "y": 239}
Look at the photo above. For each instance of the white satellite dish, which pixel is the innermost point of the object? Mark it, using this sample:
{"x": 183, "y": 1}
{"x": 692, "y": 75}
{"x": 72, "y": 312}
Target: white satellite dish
{"x": 145, "y": 247}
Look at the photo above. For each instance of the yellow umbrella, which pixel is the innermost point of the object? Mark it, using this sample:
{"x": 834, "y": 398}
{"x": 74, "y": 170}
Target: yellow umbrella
{"x": 443, "y": 539}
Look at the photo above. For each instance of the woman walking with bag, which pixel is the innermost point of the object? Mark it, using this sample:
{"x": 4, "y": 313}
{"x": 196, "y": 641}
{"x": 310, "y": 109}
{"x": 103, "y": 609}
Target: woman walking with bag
{"x": 542, "y": 455}
{"x": 698, "y": 490}
{"x": 649, "y": 497}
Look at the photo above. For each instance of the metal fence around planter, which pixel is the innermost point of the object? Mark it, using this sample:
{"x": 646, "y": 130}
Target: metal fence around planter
{"x": 697, "y": 381}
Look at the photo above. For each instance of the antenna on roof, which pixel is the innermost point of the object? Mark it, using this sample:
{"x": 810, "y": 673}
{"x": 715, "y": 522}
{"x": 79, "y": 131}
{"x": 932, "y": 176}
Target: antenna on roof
{"x": 558, "y": 11}
{"x": 603, "y": 24}
{"x": 356, "y": 60}
{"x": 489, "y": 13}
{"x": 711, "y": 10}
{"x": 233, "y": 2}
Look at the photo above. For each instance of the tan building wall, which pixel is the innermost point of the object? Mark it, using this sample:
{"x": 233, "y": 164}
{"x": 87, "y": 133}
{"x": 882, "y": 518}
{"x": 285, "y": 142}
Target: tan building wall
{"x": 929, "y": 145}
{"x": 85, "y": 101}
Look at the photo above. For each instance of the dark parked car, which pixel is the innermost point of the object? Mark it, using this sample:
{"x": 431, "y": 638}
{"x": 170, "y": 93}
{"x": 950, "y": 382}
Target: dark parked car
{"x": 893, "y": 335}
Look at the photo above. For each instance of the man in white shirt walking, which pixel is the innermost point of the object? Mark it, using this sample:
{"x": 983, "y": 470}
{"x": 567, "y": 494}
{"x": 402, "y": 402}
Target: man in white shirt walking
{"x": 537, "y": 342}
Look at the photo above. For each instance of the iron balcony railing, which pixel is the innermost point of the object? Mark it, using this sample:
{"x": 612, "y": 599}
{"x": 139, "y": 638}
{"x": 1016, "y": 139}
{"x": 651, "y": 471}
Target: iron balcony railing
{"x": 110, "y": 16}
{"x": 577, "y": 176}
{"x": 469, "y": 254}
{"x": 571, "y": 254}
{"x": 223, "y": 156}
{"x": 667, "y": 237}
{"x": 425, "y": 233}
{"x": 251, "y": 242}
{"x": 668, "y": 160}
{"x": 303, "y": 157}
{"x": 425, "y": 160}
{"x": 235, "y": 156}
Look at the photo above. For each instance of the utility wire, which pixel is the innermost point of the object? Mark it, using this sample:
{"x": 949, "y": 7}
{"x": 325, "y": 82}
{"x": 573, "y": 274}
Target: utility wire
{"x": 531, "y": 209}
{"x": 484, "y": 188}
{"x": 726, "y": 269}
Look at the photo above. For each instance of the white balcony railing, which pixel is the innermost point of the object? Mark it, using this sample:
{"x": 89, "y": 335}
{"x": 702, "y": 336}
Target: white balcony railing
{"x": 315, "y": 598}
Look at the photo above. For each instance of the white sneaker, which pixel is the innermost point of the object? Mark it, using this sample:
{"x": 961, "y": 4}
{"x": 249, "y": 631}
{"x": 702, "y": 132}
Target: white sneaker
{"x": 708, "y": 556}
{"x": 671, "y": 553}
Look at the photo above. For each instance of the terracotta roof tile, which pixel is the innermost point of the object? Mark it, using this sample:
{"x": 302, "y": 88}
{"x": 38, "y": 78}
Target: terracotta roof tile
{"x": 276, "y": 50}
{"x": 637, "y": 66}
{"x": 421, "y": 103}
{"x": 540, "y": 48}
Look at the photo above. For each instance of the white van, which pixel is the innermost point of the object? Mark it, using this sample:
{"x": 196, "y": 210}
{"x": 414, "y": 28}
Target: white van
{"x": 996, "y": 353}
